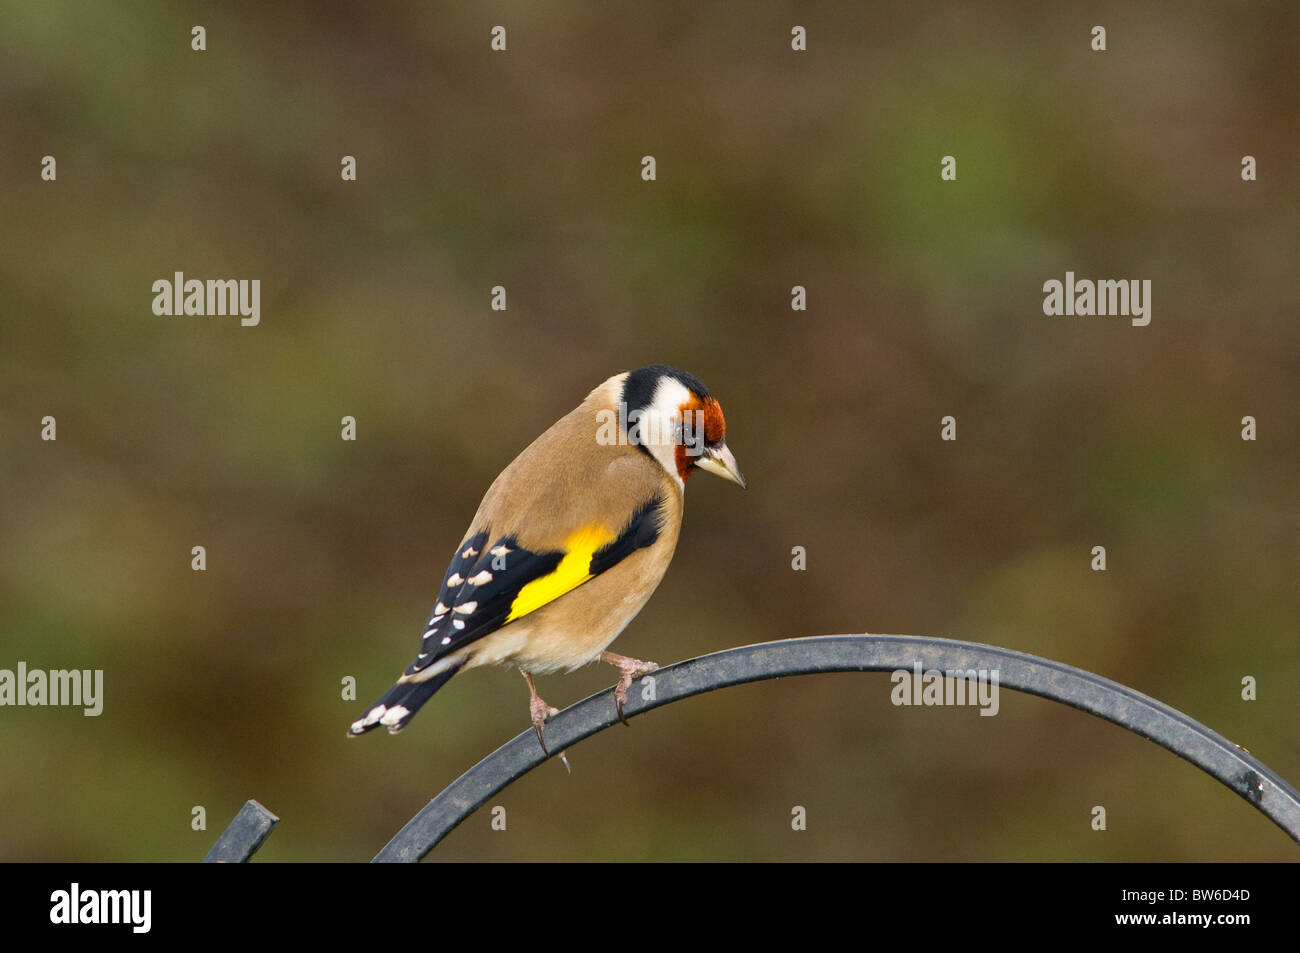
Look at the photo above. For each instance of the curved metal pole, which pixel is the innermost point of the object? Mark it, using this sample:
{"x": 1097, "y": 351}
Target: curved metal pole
{"x": 1099, "y": 696}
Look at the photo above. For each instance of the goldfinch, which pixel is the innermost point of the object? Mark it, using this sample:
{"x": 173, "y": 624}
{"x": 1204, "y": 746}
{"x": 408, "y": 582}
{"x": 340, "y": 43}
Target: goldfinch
{"x": 569, "y": 543}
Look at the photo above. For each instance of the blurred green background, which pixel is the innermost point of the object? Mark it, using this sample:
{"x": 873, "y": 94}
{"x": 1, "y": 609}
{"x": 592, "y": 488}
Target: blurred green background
{"x": 522, "y": 169}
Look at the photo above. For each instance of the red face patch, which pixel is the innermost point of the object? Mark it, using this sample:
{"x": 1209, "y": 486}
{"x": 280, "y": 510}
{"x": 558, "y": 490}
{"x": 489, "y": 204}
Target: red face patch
{"x": 685, "y": 462}
{"x": 715, "y": 429}
{"x": 715, "y": 425}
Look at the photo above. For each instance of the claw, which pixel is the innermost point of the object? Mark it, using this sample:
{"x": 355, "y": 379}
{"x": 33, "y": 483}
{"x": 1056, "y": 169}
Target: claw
{"x": 628, "y": 669}
{"x": 539, "y": 711}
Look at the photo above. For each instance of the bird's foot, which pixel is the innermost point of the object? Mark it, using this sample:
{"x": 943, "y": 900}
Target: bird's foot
{"x": 628, "y": 669}
{"x": 540, "y": 711}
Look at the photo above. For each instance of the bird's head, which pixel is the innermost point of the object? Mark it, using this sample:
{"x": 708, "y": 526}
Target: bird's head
{"x": 671, "y": 416}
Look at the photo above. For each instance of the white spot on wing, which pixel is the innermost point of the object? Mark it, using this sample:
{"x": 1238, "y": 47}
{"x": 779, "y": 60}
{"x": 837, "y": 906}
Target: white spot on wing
{"x": 465, "y": 608}
{"x": 455, "y": 579}
{"x": 458, "y": 624}
{"x": 394, "y": 715}
{"x": 481, "y": 578}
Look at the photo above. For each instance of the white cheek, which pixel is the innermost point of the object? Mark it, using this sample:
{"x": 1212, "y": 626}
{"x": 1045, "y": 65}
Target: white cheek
{"x": 667, "y": 457}
{"x": 662, "y": 424}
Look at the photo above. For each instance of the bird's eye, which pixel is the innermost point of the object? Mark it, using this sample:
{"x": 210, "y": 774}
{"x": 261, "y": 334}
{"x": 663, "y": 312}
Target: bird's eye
{"x": 690, "y": 432}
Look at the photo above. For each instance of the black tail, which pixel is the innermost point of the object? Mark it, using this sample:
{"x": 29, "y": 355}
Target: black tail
{"x": 399, "y": 704}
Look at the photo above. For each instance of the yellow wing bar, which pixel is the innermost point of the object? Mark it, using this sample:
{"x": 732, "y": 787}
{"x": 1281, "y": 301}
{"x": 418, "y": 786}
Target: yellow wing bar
{"x": 574, "y": 569}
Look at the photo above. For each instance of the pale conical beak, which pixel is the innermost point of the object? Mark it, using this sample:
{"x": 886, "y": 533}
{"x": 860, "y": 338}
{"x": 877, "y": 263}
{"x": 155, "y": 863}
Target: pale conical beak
{"x": 722, "y": 463}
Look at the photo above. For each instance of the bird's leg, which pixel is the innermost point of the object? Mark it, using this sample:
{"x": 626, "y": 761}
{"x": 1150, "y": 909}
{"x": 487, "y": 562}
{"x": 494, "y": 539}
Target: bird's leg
{"x": 628, "y": 669}
{"x": 539, "y": 710}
